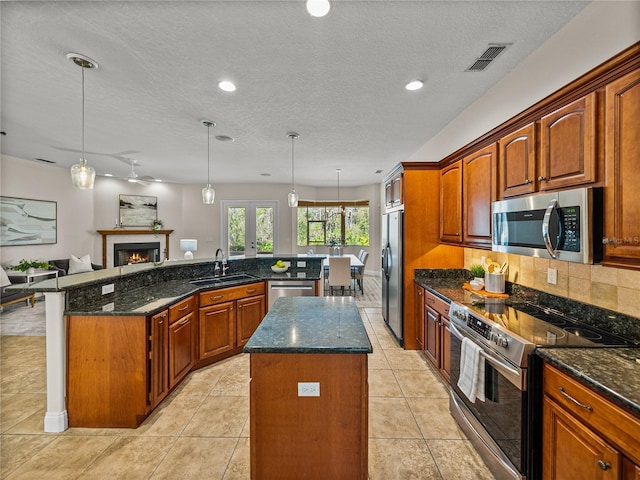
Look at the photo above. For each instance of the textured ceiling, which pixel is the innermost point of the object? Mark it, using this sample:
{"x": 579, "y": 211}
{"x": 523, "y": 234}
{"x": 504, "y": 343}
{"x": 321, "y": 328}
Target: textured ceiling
{"x": 338, "y": 81}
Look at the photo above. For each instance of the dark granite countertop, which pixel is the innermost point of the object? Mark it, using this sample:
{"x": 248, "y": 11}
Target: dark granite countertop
{"x": 311, "y": 325}
{"x": 612, "y": 372}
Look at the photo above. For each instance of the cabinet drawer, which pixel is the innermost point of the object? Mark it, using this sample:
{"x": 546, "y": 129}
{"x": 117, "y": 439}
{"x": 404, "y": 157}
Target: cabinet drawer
{"x": 436, "y": 303}
{"x": 182, "y": 308}
{"x": 212, "y": 297}
{"x": 616, "y": 425}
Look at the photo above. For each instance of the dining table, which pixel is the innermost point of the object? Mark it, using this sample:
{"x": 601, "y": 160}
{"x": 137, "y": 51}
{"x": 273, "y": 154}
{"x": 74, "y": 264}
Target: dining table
{"x": 354, "y": 261}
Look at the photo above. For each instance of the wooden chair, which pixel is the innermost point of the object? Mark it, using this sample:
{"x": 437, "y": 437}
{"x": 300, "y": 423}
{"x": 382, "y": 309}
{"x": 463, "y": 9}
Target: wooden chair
{"x": 339, "y": 273}
{"x": 358, "y": 272}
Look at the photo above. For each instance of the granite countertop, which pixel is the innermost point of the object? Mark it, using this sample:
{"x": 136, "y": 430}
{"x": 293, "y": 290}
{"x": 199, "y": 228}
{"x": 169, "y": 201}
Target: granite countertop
{"x": 612, "y": 372}
{"x": 292, "y": 326}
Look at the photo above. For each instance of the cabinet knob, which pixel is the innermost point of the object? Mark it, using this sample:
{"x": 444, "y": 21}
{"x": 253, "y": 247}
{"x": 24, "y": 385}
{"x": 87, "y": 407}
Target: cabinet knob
{"x": 604, "y": 465}
{"x": 541, "y": 178}
{"x": 607, "y": 241}
{"x": 527, "y": 181}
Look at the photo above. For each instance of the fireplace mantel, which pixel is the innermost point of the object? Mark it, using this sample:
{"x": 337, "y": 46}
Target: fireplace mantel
{"x": 122, "y": 231}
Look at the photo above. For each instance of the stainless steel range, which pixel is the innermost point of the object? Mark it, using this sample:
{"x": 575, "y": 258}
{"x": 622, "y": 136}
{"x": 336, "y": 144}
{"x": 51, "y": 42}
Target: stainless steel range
{"x": 503, "y": 426}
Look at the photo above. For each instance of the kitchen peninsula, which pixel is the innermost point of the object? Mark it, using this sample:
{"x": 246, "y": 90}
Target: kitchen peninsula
{"x": 309, "y": 391}
{"x": 120, "y": 339}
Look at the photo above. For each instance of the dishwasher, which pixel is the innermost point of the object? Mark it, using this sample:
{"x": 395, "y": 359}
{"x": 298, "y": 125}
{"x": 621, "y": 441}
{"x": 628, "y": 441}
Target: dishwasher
{"x": 289, "y": 288}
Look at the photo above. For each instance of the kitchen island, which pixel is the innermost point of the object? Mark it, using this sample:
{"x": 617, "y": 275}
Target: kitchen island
{"x": 309, "y": 391}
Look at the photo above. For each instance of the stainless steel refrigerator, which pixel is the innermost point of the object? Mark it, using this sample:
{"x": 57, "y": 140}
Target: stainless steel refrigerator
{"x": 392, "y": 294}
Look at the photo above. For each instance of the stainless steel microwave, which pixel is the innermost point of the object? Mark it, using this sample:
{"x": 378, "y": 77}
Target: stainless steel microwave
{"x": 564, "y": 225}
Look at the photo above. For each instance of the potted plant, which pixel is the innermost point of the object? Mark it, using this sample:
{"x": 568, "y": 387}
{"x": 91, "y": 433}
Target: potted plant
{"x": 156, "y": 225}
{"x": 477, "y": 271}
{"x": 29, "y": 266}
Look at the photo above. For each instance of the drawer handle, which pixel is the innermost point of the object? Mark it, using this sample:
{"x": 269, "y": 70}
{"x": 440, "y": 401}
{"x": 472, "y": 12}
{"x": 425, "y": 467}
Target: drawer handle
{"x": 580, "y": 404}
{"x": 251, "y": 290}
{"x": 183, "y": 321}
{"x": 217, "y": 297}
{"x": 183, "y": 308}
{"x": 604, "y": 465}
{"x": 429, "y": 299}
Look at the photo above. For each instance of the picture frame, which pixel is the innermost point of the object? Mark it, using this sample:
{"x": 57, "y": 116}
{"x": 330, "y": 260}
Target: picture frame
{"x": 26, "y": 221}
{"x": 137, "y": 210}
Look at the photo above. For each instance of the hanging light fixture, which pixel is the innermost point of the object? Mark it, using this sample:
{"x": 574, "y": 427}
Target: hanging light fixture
{"x": 82, "y": 175}
{"x": 339, "y": 204}
{"x": 292, "y": 198}
{"x": 208, "y": 193}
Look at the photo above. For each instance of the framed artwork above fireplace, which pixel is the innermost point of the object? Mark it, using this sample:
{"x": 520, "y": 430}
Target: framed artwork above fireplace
{"x": 138, "y": 210}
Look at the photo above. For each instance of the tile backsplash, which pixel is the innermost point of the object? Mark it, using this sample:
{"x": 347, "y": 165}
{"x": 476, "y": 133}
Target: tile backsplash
{"x": 612, "y": 288}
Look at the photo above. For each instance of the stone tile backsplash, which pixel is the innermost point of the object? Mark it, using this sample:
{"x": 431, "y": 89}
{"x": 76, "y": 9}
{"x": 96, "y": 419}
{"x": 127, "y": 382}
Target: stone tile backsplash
{"x": 612, "y": 288}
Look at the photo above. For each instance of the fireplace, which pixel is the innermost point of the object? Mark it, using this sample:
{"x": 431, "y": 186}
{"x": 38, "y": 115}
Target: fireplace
{"x": 127, "y": 253}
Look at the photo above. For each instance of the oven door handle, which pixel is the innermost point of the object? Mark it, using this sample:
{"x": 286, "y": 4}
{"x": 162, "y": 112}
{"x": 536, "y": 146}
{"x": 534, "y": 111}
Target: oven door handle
{"x": 493, "y": 360}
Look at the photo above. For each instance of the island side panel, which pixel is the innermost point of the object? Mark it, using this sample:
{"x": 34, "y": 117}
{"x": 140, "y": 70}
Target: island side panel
{"x": 321, "y": 437}
{"x": 107, "y": 371}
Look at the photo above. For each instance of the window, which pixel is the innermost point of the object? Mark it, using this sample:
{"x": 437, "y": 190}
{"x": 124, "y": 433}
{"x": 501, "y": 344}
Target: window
{"x": 323, "y": 223}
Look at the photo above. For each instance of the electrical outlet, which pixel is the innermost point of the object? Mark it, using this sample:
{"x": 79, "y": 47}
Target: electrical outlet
{"x": 483, "y": 260}
{"x": 302, "y": 264}
{"x": 552, "y": 276}
{"x": 106, "y": 289}
{"x": 109, "y": 307}
{"x": 287, "y": 264}
{"x": 308, "y": 389}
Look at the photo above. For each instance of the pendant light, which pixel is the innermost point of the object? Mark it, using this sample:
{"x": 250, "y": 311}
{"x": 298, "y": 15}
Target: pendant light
{"x": 82, "y": 175}
{"x": 339, "y": 205}
{"x": 292, "y": 198}
{"x": 208, "y": 193}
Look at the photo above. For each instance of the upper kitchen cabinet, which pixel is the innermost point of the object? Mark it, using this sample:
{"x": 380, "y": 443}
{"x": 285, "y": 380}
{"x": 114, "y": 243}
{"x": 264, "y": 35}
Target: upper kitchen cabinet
{"x": 622, "y": 152}
{"x": 479, "y": 177}
{"x": 393, "y": 189}
{"x": 517, "y": 170}
{"x": 568, "y": 145}
{"x": 451, "y": 203}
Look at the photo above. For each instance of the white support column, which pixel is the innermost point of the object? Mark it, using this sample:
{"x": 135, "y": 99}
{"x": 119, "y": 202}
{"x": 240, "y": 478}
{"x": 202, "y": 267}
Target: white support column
{"x": 55, "y": 420}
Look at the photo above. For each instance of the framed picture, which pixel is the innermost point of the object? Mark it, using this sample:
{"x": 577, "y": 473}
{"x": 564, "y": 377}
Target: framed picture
{"x": 138, "y": 210}
{"x": 24, "y": 221}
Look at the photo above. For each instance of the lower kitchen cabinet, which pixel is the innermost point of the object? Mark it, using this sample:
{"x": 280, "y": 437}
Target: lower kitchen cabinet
{"x": 586, "y": 436}
{"x": 182, "y": 339}
{"x": 437, "y": 343}
{"x": 228, "y": 317}
{"x": 159, "y": 358}
{"x": 420, "y": 320}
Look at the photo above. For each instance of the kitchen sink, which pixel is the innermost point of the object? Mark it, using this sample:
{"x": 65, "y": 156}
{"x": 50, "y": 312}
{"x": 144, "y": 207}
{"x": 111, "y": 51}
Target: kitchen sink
{"x": 239, "y": 277}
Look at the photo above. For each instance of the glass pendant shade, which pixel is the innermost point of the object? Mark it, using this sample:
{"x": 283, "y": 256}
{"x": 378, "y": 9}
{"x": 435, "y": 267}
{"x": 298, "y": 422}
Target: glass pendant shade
{"x": 82, "y": 175}
{"x": 292, "y": 198}
{"x": 208, "y": 194}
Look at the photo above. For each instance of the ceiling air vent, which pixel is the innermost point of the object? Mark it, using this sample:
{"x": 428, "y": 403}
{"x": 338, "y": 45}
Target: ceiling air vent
{"x": 489, "y": 55}
{"x": 44, "y": 160}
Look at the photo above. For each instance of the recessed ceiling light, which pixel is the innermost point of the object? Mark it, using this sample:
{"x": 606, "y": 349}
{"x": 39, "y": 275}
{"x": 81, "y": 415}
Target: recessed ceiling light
{"x": 224, "y": 138}
{"x": 414, "y": 85}
{"x": 227, "y": 86}
{"x": 318, "y": 8}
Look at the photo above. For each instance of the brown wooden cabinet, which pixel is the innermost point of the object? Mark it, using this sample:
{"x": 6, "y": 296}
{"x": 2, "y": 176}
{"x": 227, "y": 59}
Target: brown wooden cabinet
{"x": 437, "y": 344}
{"x": 159, "y": 358}
{"x": 420, "y": 318}
{"x": 451, "y": 203}
{"x": 585, "y": 435}
{"x": 568, "y": 152}
{"x": 622, "y": 151}
{"x": 182, "y": 339}
{"x": 393, "y": 190}
{"x": 517, "y": 167}
{"x": 228, "y": 317}
{"x": 479, "y": 179}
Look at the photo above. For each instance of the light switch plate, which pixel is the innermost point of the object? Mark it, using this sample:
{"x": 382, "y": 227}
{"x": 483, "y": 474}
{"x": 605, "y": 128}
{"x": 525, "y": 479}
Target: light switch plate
{"x": 552, "y": 276}
{"x": 302, "y": 264}
{"x": 106, "y": 289}
{"x": 308, "y": 389}
{"x": 109, "y": 307}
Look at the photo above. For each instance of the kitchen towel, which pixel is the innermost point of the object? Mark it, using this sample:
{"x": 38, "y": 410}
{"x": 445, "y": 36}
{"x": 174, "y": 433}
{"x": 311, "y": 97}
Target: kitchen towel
{"x": 471, "y": 380}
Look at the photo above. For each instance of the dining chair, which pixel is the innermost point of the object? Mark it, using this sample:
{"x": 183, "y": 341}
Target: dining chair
{"x": 339, "y": 273}
{"x": 357, "y": 273}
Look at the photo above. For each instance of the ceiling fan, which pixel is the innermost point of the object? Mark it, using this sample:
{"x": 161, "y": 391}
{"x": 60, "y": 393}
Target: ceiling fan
{"x": 133, "y": 177}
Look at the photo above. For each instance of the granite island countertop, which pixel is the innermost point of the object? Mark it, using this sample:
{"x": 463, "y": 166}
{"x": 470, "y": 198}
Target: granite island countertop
{"x": 612, "y": 372}
{"x": 311, "y": 325}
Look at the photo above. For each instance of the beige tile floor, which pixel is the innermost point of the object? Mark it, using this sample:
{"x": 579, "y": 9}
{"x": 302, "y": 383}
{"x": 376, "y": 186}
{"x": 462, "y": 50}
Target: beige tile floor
{"x": 202, "y": 430}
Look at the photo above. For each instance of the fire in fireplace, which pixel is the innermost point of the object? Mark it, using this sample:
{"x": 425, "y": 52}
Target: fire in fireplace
{"x": 127, "y": 253}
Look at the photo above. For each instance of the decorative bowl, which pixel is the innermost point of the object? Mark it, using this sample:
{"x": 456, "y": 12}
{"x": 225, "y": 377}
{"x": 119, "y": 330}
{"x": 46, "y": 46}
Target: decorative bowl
{"x": 279, "y": 269}
{"x": 476, "y": 285}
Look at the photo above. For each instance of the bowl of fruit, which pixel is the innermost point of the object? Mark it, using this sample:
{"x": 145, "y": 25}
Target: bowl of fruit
{"x": 279, "y": 267}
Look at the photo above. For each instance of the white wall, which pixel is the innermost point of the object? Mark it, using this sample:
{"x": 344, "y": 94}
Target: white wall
{"x": 180, "y": 207}
{"x": 597, "y": 33}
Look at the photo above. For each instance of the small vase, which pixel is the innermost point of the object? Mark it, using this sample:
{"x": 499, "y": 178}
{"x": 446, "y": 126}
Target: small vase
{"x": 479, "y": 279}
{"x": 31, "y": 271}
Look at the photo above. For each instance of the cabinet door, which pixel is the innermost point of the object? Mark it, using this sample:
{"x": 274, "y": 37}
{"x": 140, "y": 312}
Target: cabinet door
{"x": 432, "y": 335}
{"x": 396, "y": 190}
{"x": 250, "y": 313}
{"x": 622, "y": 151}
{"x": 445, "y": 348}
{"x": 568, "y": 145}
{"x": 630, "y": 470}
{"x": 479, "y": 190}
{"x": 419, "y": 310}
{"x": 159, "y": 358}
{"x": 572, "y": 451}
{"x": 181, "y": 348}
{"x": 217, "y": 329}
{"x": 388, "y": 193}
{"x": 451, "y": 203}
{"x": 517, "y": 166}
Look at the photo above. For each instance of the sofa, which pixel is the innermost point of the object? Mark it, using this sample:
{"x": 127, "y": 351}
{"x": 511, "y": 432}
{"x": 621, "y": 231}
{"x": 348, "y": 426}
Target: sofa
{"x": 62, "y": 265}
{"x": 7, "y": 297}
